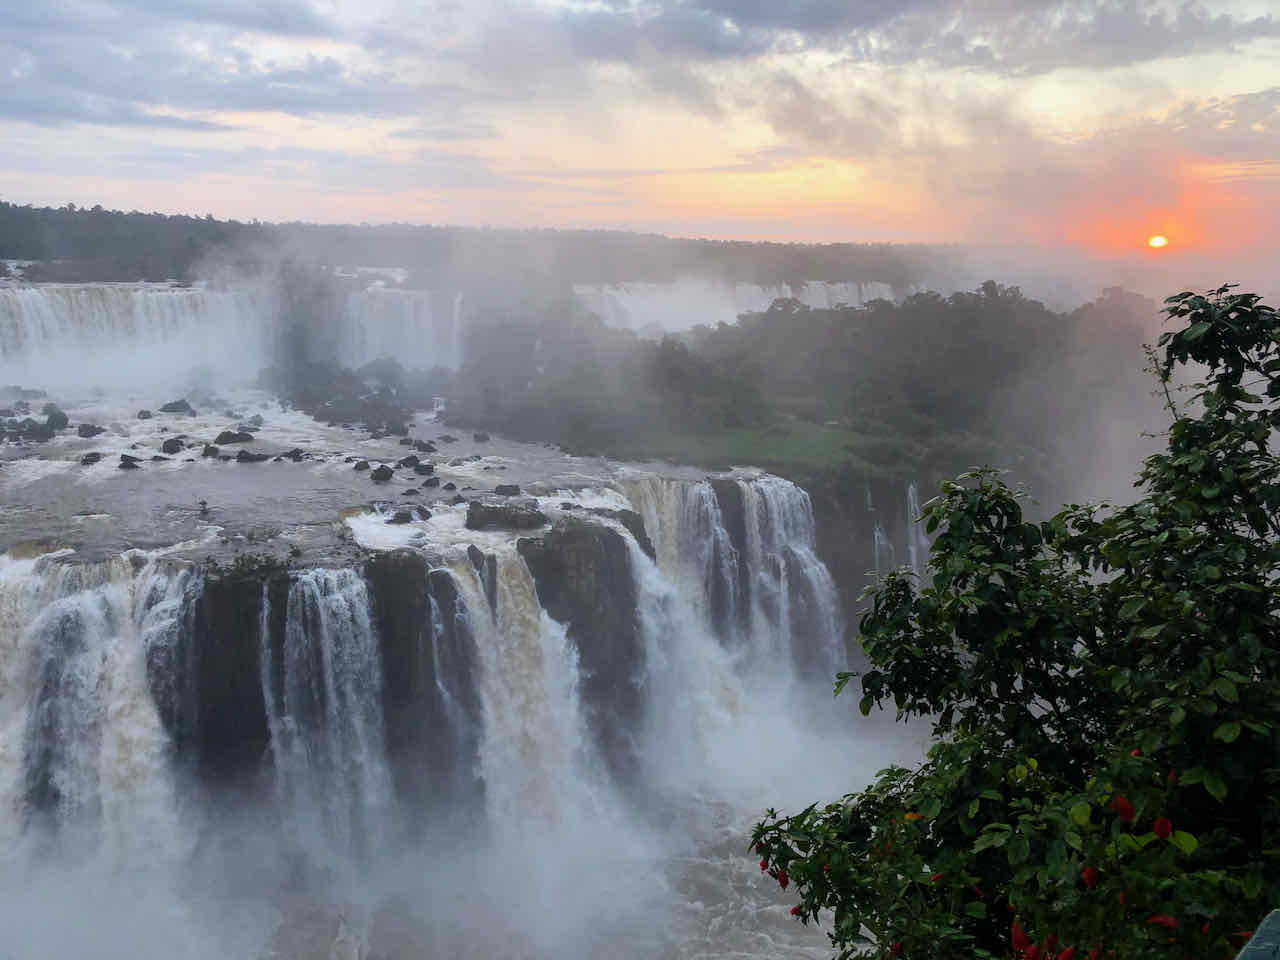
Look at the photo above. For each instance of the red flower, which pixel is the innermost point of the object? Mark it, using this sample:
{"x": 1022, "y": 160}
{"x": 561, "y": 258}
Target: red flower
{"x": 1173, "y": 777}
{"x": 1163, "y": 920}
{"x": 795, "y": 911}
{"x": 826, "y": 868}
{"x": 764, "y": 865}
{"x": 1136, "y": 752}
{"x": 1031, "y": 953}
{"x": 1090, "y": 877}
{"x": 1123, "y": 808}
{"x": 935, "y": 878}
{"x": 977, "y": 891}
{"x": 1162, "y": 828}
{"x": 1050, "y": 943}
{"x": 1020, "y": 940}
{"x": 760, "y": 848}
{"x": 1093, "y": 955}
{"x": 1068, "y": 954}
{"x": 783, "y": 879}
{"x": 896, "y": 949}
{"x": 1205, "y": 928}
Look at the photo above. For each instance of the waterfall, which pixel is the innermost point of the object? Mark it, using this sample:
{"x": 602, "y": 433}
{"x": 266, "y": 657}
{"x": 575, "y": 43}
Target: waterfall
{"x": 691, "y": 300}
{"x": 110, "y": 334}
{"x": 760, "y": 588}
{"x": 795, "y": 607}
{"x": 83, "y": 752}
{"x": 918, "y": 544}
{"x": 534, "y": 754}
{"x": 325, "y": 715}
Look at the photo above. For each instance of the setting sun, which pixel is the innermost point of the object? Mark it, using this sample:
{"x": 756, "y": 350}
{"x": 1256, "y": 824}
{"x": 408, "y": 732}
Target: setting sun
{"x": 1157, "y": 241}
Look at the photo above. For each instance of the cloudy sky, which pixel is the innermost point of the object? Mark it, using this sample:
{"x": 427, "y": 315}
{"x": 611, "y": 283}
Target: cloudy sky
{"x": 1092, "y": 123}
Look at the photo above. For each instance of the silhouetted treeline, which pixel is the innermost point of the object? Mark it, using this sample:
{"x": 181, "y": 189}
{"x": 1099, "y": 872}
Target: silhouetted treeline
{"x": 97, "y": 244}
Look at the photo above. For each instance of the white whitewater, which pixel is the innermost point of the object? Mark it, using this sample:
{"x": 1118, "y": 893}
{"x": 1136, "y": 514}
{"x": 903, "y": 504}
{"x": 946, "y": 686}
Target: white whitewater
{"x": 918, "y": 543}
{"x": 657, "y": 308}
{"x": 326, "y": 727}
{"x": 534, "y": 754}
{"x": 82, "y": 750}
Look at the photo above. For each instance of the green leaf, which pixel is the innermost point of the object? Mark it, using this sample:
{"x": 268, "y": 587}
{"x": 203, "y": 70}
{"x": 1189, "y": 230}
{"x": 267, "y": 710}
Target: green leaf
{"x": 1225, "y": 689}
{"x": 995, "y": 838}
{"x": 1184, "y": 841}
{"x": 1227, "y": 732}
{"x": 1080, "y": 813}
{"x": 1130, "y": 608}
{"x": 1196, "y": 330}
{"x": 1177, "y": 715}
{"x": 1074, "y": 841}
{"x": 1213, "y": 782}
{"x": 865, "y": 704}
{"x": 976, "y": 909}
{"x": 1019, "y": 849}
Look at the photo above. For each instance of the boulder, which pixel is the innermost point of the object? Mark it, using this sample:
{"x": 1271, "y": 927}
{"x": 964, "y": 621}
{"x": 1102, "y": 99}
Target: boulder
{"x": 406, "y": 442}
{"x": 157, "y": 458}
{"x": 424, "y": 469}
{"x": 296, "y": 455}
{"x": 233, "y": 436}
{"x": 56, "y": 419}
{"x": 401, "y": 516}
{"x": 397, "y": 428}
{"x": 255, "y": 421}
{"x": 476, "y": 556}
{"x": 361, "y": 466}
{"x": 172, "y": 445}
{"x": 49, "y": 408}
{"x": 507, "y": 490}
{"x": 447, "y": 438}
{"x": 410, "y": 461}
{"x": 245, "y": 456}
{"x": 412, "y": 492}
{"x": 127, "y": 462}
{"x": 480, "y": 437}
{"x": 382, "y": 474}
{"x": 210, "y": 450}
{"x": 450, "y": 486}
{"x": 422, "y": 512}
{"x": 506, "y": 515}
{"x": 634, "y": 524}
{"x": 431, "y": 482}
{"x": 89, "y": 430}
{"x": 144, "y": 414}
{"x": 457, "y": 499}
{"x": 90, "y": 458}
{"x": 178, "y": 406}
{"x": 423, "y": 446}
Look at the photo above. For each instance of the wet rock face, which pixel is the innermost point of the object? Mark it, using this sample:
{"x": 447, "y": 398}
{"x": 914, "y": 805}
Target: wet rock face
{"x": 208, "y": 687}
{"x": 430, "y": 706}
{"x": 178, "y": 406}
{"x": 87, "y": 431}
{"x": 731, "y": 602}
{"x": 634, "y": 524}
{"x": 233, "y": 436}
{"x": 583, "y": 575}
{"x": 508, "y": 515}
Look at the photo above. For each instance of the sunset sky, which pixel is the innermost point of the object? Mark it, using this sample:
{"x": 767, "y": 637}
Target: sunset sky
{"x": 1091, "y": 124}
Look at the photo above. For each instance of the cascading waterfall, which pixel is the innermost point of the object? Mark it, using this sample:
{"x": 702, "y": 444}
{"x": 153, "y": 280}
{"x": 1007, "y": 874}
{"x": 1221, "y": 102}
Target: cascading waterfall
{"x": 325, "y": 716}
{"x": 769, "y": 596}
{"x": 918, "y": 543}
{"x": 534, "y": 756}
{"x": 795, "y": 609}
{"x": 83, "y": 752}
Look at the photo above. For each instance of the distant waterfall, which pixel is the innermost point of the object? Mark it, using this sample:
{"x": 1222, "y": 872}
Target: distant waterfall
{"x": 419, "y": 328}
{"x": 656, "y": 308}
{"x": 918, "y": 544}
{"x": 322, "y": 692}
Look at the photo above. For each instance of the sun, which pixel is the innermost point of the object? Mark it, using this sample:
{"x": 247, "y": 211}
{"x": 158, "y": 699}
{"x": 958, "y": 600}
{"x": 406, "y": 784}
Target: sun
{"x": 1157, "y": 241}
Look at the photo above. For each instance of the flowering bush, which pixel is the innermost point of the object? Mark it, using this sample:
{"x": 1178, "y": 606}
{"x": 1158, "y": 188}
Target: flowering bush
{"x": 1104, "y": 690}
